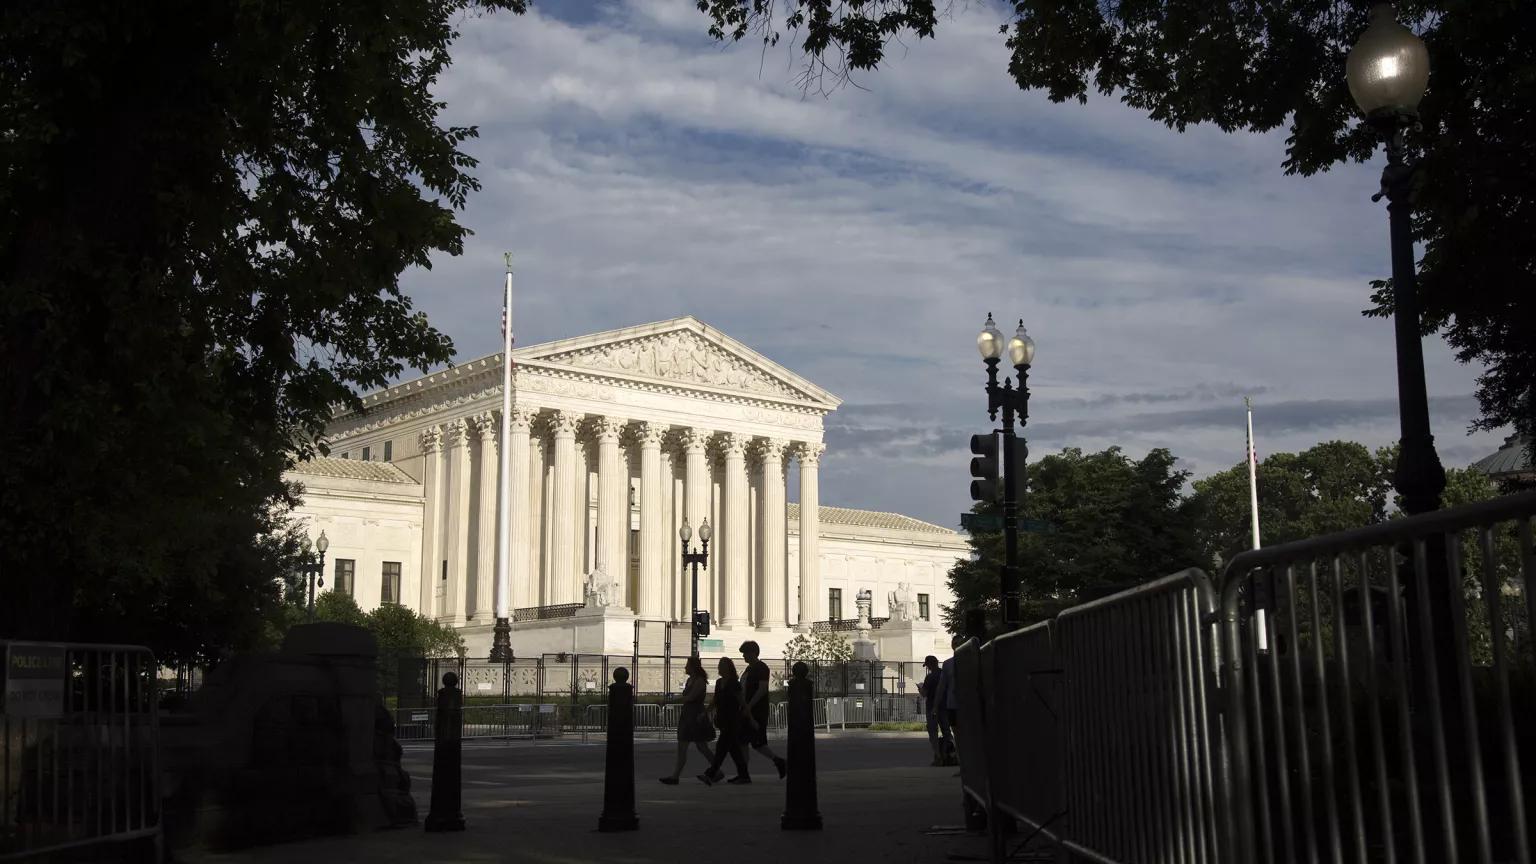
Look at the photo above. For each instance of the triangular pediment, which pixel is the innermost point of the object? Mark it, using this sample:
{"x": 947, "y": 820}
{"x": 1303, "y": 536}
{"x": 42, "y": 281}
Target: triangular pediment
{"x": 684, "y": 352}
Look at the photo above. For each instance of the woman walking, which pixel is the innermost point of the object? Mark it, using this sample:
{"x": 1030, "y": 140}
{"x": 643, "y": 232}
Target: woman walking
{"x": 693, "y": 726}
{"x": 728, "y": 719}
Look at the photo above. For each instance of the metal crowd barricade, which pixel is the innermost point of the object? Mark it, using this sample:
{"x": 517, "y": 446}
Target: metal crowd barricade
{"x": 1347, "y": 739}
{"x": 1024, "y": 733}
{"x": 80, "y": 757}
{"x": 970, "y": 735}
{"x": 1138, "y": 753}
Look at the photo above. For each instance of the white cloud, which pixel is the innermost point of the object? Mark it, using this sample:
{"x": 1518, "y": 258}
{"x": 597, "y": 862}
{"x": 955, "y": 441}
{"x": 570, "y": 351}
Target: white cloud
{"x": 639, "y": 172}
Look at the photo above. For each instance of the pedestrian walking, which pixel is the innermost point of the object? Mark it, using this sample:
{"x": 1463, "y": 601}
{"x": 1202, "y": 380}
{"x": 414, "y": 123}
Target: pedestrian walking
{"x": 728, "y": 720}
{"x": 755, "y": 710}
{"x": 693, "y": 723}
{"x": 938, "y": 733}
{"x": 947, "y": 705}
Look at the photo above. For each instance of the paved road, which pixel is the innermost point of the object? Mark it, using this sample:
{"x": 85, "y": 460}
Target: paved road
{"x": 540, "y": 802}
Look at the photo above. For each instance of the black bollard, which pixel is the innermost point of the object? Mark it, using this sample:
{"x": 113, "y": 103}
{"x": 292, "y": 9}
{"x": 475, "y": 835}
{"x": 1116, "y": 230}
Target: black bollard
{"x": 619, "y": 767}
{"x": 800, "y": 811}
{"x": 447, "y": 813}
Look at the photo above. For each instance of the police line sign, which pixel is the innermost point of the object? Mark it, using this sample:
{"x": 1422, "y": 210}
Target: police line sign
{"x": 34, "y": 680}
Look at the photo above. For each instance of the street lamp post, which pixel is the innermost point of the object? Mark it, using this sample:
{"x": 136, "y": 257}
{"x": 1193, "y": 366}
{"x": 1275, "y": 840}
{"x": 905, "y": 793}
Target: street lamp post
{"x": 1014, "y": 404}
{"x": 695, "y": 560}
{"x": 1388, "y": 73}
{"x": 316, "y": 571}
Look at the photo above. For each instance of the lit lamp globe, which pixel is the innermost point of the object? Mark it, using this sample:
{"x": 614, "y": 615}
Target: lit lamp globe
{"x": 990, "y": 342}
{"x": 1021, "y": 348}
{"x": 1388, "y": 69}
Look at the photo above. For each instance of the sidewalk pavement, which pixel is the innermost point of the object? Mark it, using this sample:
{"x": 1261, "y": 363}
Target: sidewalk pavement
{"x": 878, "y": 801}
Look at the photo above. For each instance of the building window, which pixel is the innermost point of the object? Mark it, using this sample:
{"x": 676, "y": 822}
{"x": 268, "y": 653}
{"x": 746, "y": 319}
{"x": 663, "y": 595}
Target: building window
{"x": 922, "y": 607}
{"x": 346, "y": 455}
{"x": 389, "y": 451}
{"x": 346, "y": 568}
{"x": 391, "y": 592}
{"x": 365, "y": 454}
{"x": 835, "y": 604}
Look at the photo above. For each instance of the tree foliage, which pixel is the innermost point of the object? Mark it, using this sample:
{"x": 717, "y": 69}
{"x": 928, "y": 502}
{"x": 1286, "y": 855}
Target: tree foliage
{"x": 1116, "y": 522}
{"x": 1333, "y": 486}
{"x": 819, "y": 645}
{"x": 205, "y": 212}
{"x": 1250, "y": 66}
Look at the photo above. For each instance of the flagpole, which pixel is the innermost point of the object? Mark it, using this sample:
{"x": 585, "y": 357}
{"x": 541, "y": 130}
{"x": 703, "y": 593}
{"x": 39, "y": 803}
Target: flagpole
{"x": 501, "y": 646}
{"x": 1253, "y": 508}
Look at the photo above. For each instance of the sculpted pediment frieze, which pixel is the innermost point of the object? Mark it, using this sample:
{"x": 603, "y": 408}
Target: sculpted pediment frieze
{"x": 681, "y": 357}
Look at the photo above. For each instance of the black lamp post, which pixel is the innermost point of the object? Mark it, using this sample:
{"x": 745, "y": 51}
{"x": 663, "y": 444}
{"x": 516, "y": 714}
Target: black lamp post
{"x": 316, "y": 571}
{"x": 1013, "y": 403}
{"x": 700, "y": 620}
{"x": 1388, "y": 72}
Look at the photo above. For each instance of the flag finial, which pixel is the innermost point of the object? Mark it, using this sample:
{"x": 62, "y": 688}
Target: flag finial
{"x": 508, "y": 257}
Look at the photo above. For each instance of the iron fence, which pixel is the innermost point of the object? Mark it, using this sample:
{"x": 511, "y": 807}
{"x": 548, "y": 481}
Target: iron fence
{"x": 80, "y": 759}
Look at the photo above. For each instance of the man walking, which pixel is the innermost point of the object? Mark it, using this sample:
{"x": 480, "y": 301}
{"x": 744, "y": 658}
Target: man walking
{"x": 754, "y": 709}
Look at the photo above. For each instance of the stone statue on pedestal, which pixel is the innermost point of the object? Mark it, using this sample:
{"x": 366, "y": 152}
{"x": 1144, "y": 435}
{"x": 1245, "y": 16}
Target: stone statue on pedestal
{"x": 900, "y": 602}
{"x": 599, "y": 590}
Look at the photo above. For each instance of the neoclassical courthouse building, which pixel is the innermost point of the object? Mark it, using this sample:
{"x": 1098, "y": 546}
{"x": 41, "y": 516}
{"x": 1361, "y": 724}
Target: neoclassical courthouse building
{"x": 616, "y": 438}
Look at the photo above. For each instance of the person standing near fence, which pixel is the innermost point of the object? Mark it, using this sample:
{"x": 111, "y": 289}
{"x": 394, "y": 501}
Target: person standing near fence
{"x": 947, "y": 707}
{"x": 693, "y": 726}
{"x": 754, "y": 713}
{"x": 938, "y": 732}
{"x": 728, "y": 719}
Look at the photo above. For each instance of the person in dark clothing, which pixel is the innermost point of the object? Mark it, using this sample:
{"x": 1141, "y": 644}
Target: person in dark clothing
{"x": 938, "y": 733}
{"x": 728, "y": 705}
{"x": 693, "y": 726}
{"x": 754, "y": 713}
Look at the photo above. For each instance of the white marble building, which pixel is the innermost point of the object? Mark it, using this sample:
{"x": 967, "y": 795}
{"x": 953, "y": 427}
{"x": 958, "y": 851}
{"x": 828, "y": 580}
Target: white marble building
{"x": 616, "y": 438}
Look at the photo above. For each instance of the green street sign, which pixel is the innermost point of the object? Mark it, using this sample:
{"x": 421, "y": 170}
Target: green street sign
{"x": 974, "y": 522}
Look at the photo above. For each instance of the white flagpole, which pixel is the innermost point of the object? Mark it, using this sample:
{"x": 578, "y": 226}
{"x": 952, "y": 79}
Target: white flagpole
{"x": 501, "y": 648}
{"x": 1253, "y": 506}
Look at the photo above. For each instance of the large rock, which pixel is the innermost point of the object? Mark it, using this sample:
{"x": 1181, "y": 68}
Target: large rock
{"x": 288, "y": 745}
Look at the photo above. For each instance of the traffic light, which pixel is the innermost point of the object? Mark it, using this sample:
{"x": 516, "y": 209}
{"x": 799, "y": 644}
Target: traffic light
{"x": 701, "y": 621}
{"x": 984, "y": 467}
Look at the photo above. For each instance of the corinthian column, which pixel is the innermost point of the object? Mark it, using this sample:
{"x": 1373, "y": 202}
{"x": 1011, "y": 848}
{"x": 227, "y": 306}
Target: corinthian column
{"x": 431, "y": 520}
{"x": 612, "y": 505}
{"x": 562, "y": 547}
{"x": 485, "y": 526}
{"x": 810, "y": 533}
{"x": 653, "y": 545}
{"x": 523, "y": 582}
{"x": 458, "y": 522}
{"x": 696, "y": 499}
{"x": 775, "y": 574}
{"x": 736, "y": 514}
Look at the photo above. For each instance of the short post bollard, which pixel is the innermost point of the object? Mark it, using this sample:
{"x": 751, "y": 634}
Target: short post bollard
{"x": 800, "y": 810}
{"x": 447, "y": 812}
{"x": 619, "y": 766}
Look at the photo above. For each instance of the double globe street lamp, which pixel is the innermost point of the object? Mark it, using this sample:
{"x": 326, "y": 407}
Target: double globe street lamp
{"x": 1013, "y": 403}
{"x": 695, "y": 560}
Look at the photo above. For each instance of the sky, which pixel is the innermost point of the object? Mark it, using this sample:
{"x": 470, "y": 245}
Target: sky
{"x": 640, "y": 171}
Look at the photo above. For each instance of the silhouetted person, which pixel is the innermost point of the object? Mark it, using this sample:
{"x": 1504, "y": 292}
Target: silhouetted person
{"x": 754, "y": 713}
{"x": 938, "y": 724}
{"x": 446, "y": 813}
{"x": 728, "y": 718}
{"x": 693, "y": 726}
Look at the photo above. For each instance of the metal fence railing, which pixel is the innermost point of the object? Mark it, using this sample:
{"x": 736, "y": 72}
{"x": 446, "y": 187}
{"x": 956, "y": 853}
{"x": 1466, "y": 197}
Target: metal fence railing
{"x": 1382, "y": 690}
{"x": 79, "y": 749}
{"x": 1367, "y": 696}
{"x": 529, "y": 721}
